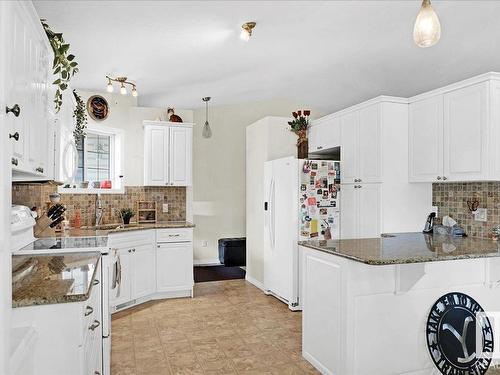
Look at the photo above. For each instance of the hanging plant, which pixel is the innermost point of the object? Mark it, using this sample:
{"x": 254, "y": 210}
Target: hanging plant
{"x": 80, "y": 116}
{"x": 63, "y": 67}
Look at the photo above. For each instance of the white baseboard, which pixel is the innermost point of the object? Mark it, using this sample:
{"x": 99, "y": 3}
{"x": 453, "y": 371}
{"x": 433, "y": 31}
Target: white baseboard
{"x": 254, "y": 282}
{"x": 206, "y": 262}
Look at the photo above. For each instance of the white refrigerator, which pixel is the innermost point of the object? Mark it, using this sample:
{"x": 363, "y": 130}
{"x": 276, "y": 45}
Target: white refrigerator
{"x": 301, "y": 202}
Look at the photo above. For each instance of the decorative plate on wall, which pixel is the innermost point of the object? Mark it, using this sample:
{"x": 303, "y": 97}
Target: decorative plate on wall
{"x": 97, "y": 107}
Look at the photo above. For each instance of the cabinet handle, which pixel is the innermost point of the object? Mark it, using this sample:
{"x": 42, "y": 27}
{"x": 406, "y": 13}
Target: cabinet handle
{"x": 445, "y": 178}
{"x": 97, "y": 373}
{"x": 95, "y": 325}
{"x": 14, "y": 161}
{"x": 439, "y": 177}
{"x": 319, "y": 148}
{"x": 174, "y": 235}
{"x": 15, "y": 136}
{"x": 359, "y": 186}
{"x": 16, "y": 110}
{"x": 95, "y": 282}
{"x": 88, "y": 310}
{"x": 39, "y": 169}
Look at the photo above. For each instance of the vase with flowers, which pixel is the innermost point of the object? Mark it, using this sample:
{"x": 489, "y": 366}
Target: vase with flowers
{"x": 299, "y": 126}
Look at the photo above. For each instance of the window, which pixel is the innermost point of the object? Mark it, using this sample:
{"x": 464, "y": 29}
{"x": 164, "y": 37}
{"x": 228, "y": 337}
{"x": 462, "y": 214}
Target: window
{"x": 94, "y": 155}
{"x": 99, "y": 158}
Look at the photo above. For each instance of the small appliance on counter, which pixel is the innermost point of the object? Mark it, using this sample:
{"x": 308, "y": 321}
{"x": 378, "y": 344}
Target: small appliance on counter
{"x": 429, "y": 223}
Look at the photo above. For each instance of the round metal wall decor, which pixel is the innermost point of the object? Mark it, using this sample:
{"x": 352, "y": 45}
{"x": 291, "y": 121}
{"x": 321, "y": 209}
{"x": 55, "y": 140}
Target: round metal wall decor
{"x": 451, "y": 335}
{"x": 98, "y": 107}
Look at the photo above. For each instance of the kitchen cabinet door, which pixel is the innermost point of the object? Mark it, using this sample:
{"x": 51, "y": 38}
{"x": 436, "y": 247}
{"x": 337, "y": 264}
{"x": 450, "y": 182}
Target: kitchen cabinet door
{"x": 349, "y": 211}
{"x": 349, "y": 131}
{"x": 156, "y": 156}
{"x": 180, "y": 148}
{"x": 324, "y": 135}
{"x": 174, "y": 266}
{"x": 143, "y": 274}
{"x": 17, "y": 86}
{"x": 369, "y": 214}
{"x": 369, "y": 144}
{"x": 465, "y": 133}
{"x": 314, "y": 138}
{"x": 425, "y": 140}
{"x": 124, "y": 294}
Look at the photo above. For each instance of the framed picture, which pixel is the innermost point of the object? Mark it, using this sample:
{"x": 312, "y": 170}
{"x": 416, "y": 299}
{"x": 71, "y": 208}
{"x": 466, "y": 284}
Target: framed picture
{"x": 98, "y": 108}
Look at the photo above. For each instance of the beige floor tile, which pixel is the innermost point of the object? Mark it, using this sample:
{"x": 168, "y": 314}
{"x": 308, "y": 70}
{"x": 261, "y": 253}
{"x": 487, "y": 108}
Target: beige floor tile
{"x": 230, "y": 327}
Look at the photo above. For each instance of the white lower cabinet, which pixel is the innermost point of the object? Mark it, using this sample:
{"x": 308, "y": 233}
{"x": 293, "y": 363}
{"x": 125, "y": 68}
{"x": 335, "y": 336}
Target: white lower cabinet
{"x": 360, "y": 216}
{"x": 170, "y": 278}
{"x": 70, "y": 335}
{"x": 154, "y": 264}
{"x": 143, "y": 268}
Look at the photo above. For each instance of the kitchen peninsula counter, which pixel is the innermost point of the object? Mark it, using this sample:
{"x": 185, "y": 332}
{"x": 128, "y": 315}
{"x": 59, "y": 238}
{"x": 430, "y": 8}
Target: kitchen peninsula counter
{"x": 404, "y": 248}
{"x": 367, "y": 302}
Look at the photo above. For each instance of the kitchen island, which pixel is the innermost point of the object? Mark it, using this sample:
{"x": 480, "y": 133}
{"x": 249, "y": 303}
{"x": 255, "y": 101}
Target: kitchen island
{"x": 367, "y": 303}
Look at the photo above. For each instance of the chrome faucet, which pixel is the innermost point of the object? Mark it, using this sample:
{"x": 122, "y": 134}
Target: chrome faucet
{"x": 99, "y": 210}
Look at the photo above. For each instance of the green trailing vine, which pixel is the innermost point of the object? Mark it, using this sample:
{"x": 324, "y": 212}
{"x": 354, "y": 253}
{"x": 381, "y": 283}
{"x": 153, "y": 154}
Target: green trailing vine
{"x": 80, "y": 116}
{"x": 64, "y": 66}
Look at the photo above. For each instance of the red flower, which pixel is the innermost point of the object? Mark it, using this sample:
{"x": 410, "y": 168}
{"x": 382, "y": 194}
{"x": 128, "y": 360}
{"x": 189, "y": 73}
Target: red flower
{"x": 300, "y": 113}
{"x": 307, "y": 112}
{"x": 294, "y": 114}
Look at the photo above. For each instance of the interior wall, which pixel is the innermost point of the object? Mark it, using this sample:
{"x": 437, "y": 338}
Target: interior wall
{"x": 219, "y": 172}
{"x": 125, "y": 114}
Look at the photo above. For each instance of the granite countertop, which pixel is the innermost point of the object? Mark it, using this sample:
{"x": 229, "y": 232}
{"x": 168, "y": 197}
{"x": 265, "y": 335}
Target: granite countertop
{"x": 105, "y": 230}
{"x": 403, "y": 248}
{"x": 50, "y": 279}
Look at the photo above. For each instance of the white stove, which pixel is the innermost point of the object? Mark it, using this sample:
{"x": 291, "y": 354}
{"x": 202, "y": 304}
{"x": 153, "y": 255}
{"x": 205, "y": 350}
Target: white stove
{"x": 24, "y": 243}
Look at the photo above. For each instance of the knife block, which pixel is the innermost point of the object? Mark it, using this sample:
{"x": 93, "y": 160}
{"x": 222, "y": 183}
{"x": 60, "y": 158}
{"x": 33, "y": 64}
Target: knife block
{"x": 42, "y": 228}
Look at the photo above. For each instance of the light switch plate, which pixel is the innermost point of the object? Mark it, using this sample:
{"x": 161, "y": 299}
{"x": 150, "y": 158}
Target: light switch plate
{"x": 481, "y": 214}
{"x": 204, "y": 243}
{"x": 165, "y": 208}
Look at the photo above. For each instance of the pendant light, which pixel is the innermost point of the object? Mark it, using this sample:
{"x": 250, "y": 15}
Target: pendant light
{"x": 427, "y": 29}
{"x": 207, "y": 132}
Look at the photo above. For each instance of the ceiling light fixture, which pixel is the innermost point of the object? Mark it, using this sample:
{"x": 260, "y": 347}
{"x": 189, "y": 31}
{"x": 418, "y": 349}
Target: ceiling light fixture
{"x": 246, "y": 30}
{"x": 207, "y": 132}
{"x": 427, "y": 29}
{"x": 123, "y": 81}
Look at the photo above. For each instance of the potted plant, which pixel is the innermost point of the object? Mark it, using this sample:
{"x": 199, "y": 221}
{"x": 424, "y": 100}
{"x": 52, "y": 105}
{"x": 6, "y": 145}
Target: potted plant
{"x": 126, "y": 214}
{"x": 299, "y": 126}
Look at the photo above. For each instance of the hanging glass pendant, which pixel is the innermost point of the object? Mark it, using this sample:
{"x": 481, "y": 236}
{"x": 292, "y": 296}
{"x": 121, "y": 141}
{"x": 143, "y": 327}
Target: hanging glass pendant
{"x": 427, "y": 29}
{"x": 207, "y": 132}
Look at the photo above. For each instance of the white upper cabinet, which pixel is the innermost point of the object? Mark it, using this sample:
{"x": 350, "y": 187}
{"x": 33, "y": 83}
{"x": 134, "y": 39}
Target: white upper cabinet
{"x": 324, "y": 134}
{"x": 349, "y": 150}
{"x": 361, "y": 145}
{"x": 155, "y": 155}
{"x": 454, "y": 134}
{"x": 180, "y": 158}
{"x": 27, "y": 88}
{"x": 369, "y": 144}
{"x": 465, "y": 133}
{"x": 426, "y": 140}
{"x": 168, "y": 154}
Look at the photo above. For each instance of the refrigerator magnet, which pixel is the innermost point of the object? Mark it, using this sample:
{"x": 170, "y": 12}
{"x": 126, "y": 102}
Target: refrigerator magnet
{"x": 311, "y": 201}
{"x": 314, "y": 234}
{"x": 303, "y": 187}
{"x": 314, "y": 166}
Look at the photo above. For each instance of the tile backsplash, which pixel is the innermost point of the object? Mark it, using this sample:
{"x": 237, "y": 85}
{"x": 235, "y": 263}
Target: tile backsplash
{"x": 36, "y": 195}
{"x": 451, "y": 199}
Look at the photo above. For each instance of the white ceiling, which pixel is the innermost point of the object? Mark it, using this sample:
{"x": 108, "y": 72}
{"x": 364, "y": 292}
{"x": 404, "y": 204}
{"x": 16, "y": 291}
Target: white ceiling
{"x": 323, "y": 54}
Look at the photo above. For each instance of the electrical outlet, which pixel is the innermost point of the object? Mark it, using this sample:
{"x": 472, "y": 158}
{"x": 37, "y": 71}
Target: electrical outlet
{"x": 436, "y": 210}
{"x": 204, "y": 243}
{"x": 481, "y": 214}
{"x": 165, "y": 208}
